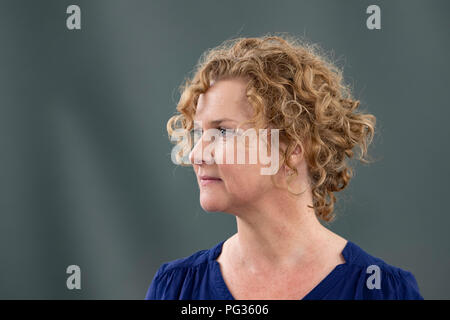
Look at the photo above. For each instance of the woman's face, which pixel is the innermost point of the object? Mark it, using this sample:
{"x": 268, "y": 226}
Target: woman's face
{"x": 234, "y": 185}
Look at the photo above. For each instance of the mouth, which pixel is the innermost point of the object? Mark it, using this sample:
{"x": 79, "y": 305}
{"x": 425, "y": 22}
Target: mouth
{"x": 208, "y": 180}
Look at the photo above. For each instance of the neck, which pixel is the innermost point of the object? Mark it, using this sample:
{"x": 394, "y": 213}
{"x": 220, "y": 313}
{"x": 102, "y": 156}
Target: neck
{"x": 281, "y": 232}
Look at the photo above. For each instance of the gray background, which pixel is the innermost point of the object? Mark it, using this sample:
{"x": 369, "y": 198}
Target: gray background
{"x": 85, "y": 170}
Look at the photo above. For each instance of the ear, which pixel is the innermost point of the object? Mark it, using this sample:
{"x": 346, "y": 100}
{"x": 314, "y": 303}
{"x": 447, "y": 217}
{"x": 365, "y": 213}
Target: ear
{"x": 297, "y": 155}
{"x": 297, "y": 150}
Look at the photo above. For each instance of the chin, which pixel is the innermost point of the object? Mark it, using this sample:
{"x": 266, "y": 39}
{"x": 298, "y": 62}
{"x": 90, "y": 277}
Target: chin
{"x": 212, "y": 204}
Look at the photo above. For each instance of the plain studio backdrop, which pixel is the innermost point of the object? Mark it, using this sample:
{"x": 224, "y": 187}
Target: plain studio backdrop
{"x": 86, "y": 177}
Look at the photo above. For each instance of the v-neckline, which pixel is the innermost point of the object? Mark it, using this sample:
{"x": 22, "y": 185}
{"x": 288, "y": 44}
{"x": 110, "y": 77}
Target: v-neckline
{"x": 315, "y": 294}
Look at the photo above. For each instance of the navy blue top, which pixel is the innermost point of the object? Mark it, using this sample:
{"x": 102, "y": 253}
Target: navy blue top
{"x": 198, "y": 277}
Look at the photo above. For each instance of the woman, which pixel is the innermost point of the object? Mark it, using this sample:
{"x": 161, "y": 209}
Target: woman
{"x": 281, "y": 250}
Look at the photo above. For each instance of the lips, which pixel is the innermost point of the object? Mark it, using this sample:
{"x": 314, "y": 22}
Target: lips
{"x": 207, "y": 180}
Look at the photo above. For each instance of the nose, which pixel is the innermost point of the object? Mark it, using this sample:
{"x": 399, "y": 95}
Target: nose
{"x": 200, "y": 153}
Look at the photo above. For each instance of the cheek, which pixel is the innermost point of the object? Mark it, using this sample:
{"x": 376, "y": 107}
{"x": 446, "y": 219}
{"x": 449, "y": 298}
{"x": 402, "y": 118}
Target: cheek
{"x": 244, "y": 180}
{"x": 237, "y": 151}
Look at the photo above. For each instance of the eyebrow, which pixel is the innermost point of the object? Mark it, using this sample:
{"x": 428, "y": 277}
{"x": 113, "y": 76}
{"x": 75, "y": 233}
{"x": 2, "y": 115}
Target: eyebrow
{"x": 216, "y": 122}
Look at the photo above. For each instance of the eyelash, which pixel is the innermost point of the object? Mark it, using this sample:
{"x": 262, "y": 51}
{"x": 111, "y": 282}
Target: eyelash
{"x": 223, "y": 131}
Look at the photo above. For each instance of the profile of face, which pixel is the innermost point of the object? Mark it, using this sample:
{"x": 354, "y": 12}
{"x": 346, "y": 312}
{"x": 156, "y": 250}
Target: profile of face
{"x": 227, "y": 186}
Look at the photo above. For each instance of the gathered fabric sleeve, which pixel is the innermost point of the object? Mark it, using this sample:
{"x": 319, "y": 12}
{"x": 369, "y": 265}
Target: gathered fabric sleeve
{"x": 162, "y": 285}
{"x": 167, "y": 284}
{"x": 406, "y": 286}
{"x": 154, "y": 291}
{"x": 395, "y": 284}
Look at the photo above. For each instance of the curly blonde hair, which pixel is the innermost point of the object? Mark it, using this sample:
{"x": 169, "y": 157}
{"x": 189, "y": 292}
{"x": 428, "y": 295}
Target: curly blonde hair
{"x": 294, "y": 88}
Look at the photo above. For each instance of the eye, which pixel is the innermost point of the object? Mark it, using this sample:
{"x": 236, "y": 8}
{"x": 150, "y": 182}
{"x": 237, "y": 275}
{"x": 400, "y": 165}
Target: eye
{"x": 224, "y": 131}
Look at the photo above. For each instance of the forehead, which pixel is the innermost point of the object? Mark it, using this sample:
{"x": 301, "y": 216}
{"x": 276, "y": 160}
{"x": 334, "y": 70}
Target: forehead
{"x": 224, "y": 99}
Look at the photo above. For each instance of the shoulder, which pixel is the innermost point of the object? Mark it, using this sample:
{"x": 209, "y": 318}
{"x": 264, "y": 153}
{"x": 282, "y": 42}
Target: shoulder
{"x": 183, "y": 263}
{"x": 377, "y": 279}
{"x": 172, "y": 275}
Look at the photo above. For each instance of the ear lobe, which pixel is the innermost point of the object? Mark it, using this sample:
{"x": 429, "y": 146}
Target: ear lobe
{"x": 297, "y": 150}
{"x": 296, "y": 155}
